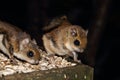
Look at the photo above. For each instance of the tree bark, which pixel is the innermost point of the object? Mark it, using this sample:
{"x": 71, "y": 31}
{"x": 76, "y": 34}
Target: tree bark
{"x": 96, "y": 30}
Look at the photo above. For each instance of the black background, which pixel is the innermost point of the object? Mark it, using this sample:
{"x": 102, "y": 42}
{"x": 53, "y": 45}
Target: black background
{"x": 31, "y": 18}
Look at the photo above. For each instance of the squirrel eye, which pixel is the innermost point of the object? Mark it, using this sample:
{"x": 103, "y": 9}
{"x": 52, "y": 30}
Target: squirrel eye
{"x": 30, "y": 54}
{"x": 77, "y": 42}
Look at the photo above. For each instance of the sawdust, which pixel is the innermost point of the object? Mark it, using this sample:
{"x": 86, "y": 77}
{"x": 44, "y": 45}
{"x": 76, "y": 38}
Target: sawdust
{"x": 6, "y": 68}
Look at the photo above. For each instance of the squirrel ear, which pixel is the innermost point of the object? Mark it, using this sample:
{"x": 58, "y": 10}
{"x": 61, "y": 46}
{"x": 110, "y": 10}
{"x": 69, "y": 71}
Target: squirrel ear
{"x": 34, "y": 41}
{"x": 25, "y": 41}
{"x": 73, "y": 32}
{"x": 86, "y": 32}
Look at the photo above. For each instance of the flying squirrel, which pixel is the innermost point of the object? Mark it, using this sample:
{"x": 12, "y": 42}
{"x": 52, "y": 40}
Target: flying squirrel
{"x": 63, "y": 38}
{"x": 15, "y": 42}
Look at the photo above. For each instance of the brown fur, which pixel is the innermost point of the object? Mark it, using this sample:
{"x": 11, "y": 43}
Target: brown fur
{"x": 19, "y": 43}
{"x": 61, "y": 39}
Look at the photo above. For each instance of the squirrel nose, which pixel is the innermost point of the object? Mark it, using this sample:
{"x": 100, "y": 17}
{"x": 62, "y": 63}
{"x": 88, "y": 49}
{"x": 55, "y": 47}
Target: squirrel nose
{"x": 81, "y": 50}
{"x": 37, "y": 61}
{"x": 34, "y": 62}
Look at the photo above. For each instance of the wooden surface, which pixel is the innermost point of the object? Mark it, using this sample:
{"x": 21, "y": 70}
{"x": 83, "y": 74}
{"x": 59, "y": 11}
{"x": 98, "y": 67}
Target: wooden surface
{"x": 79, "y": 72}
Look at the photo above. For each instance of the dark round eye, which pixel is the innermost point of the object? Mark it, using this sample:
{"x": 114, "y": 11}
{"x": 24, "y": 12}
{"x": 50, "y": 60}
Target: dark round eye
{"x": 30, "y": 54}
{"x": 77, "y": 42}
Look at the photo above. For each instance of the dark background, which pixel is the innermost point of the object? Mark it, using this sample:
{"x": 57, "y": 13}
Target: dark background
{"x": 32, "y": 15}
